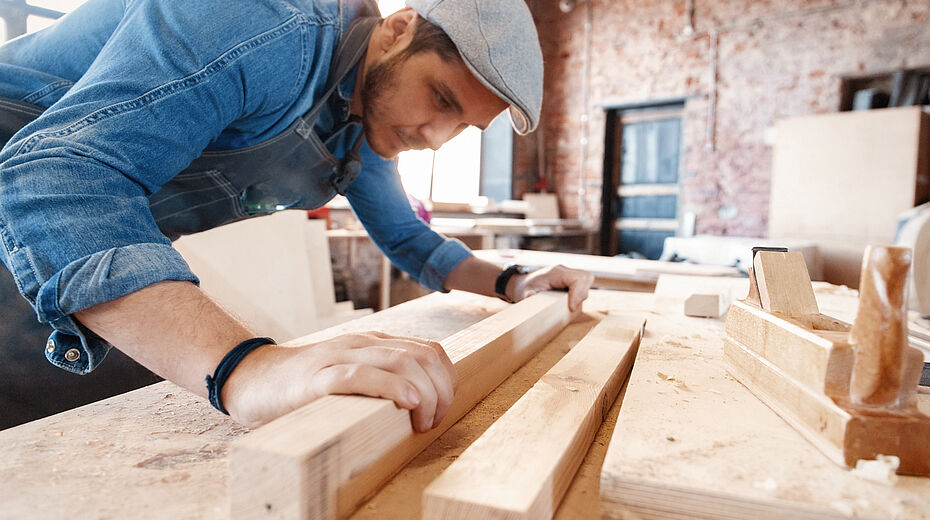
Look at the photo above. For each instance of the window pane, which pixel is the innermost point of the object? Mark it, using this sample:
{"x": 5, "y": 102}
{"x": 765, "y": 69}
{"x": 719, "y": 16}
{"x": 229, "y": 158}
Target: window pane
{"x": 497, "y": 159}
{"x": 389, "y": 6}
{"x": 457, "y": 168}
{"x": 650, "y": 152}
{"x": 416, "y": 169}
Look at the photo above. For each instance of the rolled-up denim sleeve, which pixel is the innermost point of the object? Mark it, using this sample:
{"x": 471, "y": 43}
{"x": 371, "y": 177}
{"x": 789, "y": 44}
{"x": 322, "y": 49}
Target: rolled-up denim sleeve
{"x": 75, "y": 224}
{"x": 379, "y": 201}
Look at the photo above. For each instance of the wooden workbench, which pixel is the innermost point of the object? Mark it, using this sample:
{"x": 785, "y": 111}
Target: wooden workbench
{"x": 160, "y": 452}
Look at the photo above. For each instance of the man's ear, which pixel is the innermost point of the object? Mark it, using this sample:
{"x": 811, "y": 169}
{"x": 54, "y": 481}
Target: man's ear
{"x": 397, "y": 29}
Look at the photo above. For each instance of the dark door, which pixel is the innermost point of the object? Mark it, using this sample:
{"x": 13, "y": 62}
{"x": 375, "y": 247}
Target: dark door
{"x": 641, "y": 187}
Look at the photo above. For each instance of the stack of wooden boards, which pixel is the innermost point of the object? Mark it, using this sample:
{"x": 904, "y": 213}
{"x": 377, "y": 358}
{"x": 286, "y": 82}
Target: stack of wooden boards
{"x": 323, "y": 460}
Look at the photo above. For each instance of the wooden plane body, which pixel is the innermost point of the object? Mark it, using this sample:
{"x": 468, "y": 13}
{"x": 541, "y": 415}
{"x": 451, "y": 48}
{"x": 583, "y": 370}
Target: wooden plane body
{"x": 803, "y": 365}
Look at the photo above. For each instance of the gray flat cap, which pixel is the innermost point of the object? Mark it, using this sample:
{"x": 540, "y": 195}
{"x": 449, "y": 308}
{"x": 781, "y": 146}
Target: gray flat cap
{"x": 498, "y": 42}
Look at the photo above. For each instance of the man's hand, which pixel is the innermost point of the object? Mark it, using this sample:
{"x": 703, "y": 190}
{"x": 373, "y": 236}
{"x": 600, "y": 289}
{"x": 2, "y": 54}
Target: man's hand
{"x": 273, "y": 380}
{"x": 554, "y": 277}
{"x": 478, "y": 276}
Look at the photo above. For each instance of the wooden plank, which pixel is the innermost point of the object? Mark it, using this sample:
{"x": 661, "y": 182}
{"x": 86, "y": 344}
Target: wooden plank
{"x": 241, "y": 265}
{"x": 338, "y": 450}
{"x": 522, "y": 466}
{"x": 626, "y": 274}
{"x": 161, "y": 449}
{"x": 692, "y": 442}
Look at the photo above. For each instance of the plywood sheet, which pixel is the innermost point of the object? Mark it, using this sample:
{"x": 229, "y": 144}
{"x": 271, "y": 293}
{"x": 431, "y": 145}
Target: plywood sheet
{"x": 841, "y": 180}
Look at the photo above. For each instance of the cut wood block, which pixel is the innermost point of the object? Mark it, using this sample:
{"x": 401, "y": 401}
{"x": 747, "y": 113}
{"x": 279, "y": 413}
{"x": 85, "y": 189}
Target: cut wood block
{"x": 784, "y": 283}
{"x": 522, "y": 465}
{"x": 323, "y": 460}
{"x": 704, "y": 305}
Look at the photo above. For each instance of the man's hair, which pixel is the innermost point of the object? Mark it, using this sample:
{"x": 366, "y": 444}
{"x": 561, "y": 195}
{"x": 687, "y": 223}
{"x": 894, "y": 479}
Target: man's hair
{"x": 428, "y": 37}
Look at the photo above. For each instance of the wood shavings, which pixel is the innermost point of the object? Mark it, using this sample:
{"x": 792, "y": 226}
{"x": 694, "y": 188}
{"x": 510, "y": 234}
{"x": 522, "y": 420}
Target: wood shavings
{"x": 881, "y": 470}
{"x": 673, "y": 342}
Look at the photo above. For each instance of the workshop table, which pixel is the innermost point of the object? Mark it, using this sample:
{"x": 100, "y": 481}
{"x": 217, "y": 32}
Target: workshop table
{"x": 160, "y": 452}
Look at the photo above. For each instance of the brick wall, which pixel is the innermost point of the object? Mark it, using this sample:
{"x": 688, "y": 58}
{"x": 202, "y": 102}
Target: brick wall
{"x": 774, "y": 60}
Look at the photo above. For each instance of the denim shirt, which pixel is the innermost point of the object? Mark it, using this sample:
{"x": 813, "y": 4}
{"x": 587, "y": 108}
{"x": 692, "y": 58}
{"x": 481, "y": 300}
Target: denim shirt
{"x": 134, "y": 91}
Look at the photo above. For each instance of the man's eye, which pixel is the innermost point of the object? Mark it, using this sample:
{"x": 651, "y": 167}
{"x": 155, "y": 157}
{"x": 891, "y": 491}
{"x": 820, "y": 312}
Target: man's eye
{"x": 443, "y": 103}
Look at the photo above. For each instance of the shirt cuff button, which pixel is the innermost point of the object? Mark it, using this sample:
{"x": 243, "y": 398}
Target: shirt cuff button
{"x": 72, "y": 354}
{"x": 50, "y": 346}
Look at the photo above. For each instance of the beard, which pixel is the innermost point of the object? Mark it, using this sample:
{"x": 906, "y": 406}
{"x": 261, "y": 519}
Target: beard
{"x": 379, "y": 79}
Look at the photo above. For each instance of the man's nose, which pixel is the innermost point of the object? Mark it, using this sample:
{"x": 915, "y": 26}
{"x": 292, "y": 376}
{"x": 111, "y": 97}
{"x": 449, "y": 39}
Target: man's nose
{"x": 436, "y": 133}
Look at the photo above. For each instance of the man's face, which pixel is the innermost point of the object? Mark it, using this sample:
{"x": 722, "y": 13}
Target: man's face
{"x": 421, "y": 101}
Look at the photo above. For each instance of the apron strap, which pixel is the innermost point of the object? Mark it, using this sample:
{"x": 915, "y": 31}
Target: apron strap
{"x": 350, "y": 50}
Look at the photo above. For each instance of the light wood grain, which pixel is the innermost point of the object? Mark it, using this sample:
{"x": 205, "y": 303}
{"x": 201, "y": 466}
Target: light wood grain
{"x": 841, "y": 433}
{"x": 273, "y": 272}
{"x": 627, "y": 274}
{"x": 339, "y": 450}
{"x": 522, "y": 466}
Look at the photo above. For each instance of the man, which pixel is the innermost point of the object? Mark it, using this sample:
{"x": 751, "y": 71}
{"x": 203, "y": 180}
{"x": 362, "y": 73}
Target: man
{"x": 161, "y": 118}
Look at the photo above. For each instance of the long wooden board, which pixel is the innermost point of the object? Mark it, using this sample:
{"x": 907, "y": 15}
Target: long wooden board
{"x": 323, "y": 460}
{"x": 522, "y": 465}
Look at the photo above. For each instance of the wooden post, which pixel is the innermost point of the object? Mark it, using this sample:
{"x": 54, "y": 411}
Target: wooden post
{"x": 323, "y": 460}
{"x": 522, "y": 465}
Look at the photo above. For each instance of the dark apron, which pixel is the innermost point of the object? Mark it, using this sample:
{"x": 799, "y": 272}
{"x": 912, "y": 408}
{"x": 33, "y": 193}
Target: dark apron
{"x": 294, "y": 169}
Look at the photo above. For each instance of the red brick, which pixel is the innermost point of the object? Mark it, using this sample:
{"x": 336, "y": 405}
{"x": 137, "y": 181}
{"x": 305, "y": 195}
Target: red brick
{"x": 772, "y": 63}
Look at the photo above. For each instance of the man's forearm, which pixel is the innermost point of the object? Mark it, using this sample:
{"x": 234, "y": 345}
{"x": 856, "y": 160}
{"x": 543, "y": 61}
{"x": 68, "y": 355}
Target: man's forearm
{"x": 172, "y": 328}
{"x": 476, "y": 276}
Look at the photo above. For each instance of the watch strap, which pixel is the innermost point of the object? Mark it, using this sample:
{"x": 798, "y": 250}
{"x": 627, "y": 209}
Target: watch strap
{"x": 500, "y": 285}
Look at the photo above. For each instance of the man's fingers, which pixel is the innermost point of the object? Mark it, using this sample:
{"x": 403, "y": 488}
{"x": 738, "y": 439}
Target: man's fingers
{"x": 578, "y": 288}
{"x": 412, "y": 362}
{"x": 578, "y": 283}
{"x": 432, "y": 356}
{"x": 365, "y": 380}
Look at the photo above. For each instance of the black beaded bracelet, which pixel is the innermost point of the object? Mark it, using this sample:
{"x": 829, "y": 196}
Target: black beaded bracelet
{"x": 227, "y": 365}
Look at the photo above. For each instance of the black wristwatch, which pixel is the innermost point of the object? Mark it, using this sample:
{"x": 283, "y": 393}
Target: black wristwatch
{"x": 500, "y": 286}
